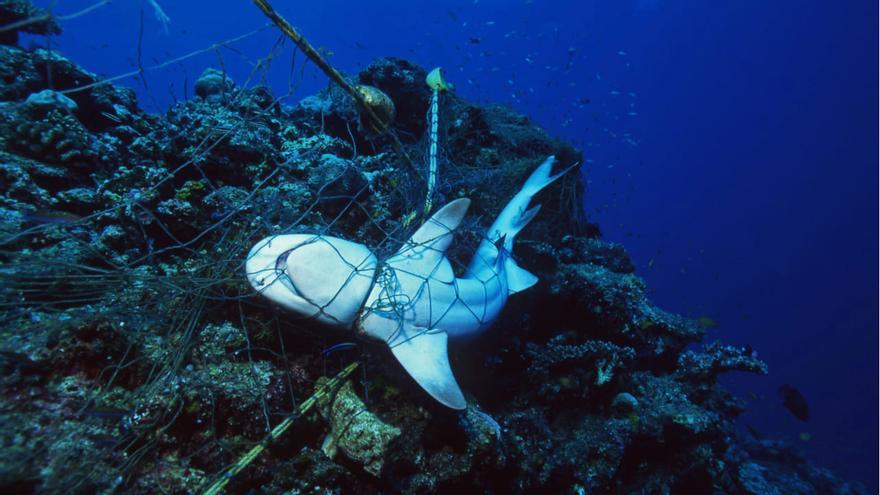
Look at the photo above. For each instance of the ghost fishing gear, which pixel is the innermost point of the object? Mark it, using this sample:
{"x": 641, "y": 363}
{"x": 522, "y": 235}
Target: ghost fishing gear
{"x": 223, "y": 479}
{"x": 438, "y": 84}
{"x": 413, "y": 300}
{"x": 372, "y": 102}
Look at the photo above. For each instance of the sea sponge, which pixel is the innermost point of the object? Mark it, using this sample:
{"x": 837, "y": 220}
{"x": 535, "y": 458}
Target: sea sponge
{"x": 360, "y": 434}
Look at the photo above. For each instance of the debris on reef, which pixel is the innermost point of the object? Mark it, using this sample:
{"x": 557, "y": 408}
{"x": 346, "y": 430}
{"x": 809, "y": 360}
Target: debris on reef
{"x": 354, "y": 430}
{"x": 136, "y": 358}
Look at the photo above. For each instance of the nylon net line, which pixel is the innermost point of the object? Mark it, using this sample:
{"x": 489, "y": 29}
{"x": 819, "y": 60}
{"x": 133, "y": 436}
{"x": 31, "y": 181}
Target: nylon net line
{"x": 132, "y": 335}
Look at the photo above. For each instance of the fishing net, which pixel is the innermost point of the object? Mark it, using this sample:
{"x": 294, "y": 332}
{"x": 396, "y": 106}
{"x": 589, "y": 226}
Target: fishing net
{"x": 135, "y": 353}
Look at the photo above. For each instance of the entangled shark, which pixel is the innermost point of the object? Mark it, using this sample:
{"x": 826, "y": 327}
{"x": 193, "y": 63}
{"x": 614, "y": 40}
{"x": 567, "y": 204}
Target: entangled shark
{"x": 413, "y": 301}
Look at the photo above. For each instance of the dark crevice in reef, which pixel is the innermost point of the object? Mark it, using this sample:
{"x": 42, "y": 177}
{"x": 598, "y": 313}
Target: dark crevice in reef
{"x": 136, "y": 358}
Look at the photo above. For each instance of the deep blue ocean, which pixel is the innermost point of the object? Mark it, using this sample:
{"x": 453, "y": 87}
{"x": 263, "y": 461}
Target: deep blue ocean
{"x": 730, "y": 146}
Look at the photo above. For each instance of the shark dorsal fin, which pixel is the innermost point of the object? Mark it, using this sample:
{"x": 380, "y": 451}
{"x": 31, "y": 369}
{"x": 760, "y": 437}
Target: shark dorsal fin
{"x": 437, "y": 231}
{"x": 425, "y": 252}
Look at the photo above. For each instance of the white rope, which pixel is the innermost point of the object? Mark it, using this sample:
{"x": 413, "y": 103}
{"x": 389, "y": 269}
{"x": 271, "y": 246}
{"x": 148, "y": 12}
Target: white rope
{"x": 432, "y": 154}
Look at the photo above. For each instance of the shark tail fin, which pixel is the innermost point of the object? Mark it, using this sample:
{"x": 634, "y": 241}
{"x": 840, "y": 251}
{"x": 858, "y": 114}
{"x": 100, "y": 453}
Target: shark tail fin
{"x": 519, "y": 279}
{"x": 538, "y": 180}
{"x": 541, "y": 177}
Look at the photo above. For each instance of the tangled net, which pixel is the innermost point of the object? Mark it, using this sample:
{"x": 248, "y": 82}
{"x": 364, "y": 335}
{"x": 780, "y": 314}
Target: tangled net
{"x": 135, "y": 353}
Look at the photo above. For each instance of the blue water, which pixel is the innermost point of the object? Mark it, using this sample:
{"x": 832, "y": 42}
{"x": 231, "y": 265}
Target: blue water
{"x": 731, "y": 146}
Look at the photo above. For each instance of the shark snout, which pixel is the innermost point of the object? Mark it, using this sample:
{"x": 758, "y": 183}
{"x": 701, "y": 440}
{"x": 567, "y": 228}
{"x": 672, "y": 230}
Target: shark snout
{"x": 319, "y": 277}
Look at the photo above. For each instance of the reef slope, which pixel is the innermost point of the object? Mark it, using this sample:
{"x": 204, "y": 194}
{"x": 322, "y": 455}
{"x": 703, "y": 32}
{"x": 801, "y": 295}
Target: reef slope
{"x": 135, "y": 357}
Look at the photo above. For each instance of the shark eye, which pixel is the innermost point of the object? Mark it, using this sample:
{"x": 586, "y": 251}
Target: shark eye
{"x": 281, "y": 261}
{"x": 281, "y": 271}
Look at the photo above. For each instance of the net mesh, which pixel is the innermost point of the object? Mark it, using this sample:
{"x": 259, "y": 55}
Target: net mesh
{"x": 134, "y": 344}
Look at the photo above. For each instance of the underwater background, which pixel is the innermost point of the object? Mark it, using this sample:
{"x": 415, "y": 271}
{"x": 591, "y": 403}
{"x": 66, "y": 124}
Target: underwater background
{"x": 729, "y": 147}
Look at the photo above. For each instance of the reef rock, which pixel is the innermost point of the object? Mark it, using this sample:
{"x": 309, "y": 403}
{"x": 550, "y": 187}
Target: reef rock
{"x": 136, "y": 358}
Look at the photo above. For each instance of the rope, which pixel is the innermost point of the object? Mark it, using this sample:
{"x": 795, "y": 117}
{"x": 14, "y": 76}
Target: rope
{"x": 224, "y": 478}
{"x": 377, "y": 123}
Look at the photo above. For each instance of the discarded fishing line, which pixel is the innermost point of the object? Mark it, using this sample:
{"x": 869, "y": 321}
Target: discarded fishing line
{"x": 371, "y": 101}
{"x": 128, "y": 317}
{"x": 224, "y": 478}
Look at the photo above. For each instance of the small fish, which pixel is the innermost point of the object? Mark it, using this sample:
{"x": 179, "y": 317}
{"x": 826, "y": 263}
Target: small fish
{"x": 795, "y": 402}
{"x": 706, "y": 322}
{"x": 571, "y": 53}
{"x": 342, "y": 346}
{"x": 805, "y": 437}
{"x": 106, "y": 441}
{"x": 219, "y": 215}
{"x": 50, "y": 216}
{"x": 112, "y": 117}
{"x": 110, "y": 413}
{"x": 475, "y": 40}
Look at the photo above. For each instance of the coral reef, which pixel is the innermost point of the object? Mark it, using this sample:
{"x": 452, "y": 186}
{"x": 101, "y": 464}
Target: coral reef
{"x": 136, "y": 359}
{"x": 28, "y": 18}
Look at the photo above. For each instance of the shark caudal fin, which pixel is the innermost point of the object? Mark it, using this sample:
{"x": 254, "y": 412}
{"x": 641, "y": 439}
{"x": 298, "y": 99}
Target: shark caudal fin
{"x": 541, "y": 177}
{"x": 512, "y": 219}
{"x": 517, "y": 213}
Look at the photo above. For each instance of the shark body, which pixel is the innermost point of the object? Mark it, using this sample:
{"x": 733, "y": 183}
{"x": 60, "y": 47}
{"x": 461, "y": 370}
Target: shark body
{"x": 413, "y": 301}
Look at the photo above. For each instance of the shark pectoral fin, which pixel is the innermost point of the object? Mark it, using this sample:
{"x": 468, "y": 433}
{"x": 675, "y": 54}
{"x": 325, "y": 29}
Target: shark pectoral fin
{"x": 425, "y": 359}
{"x": 518, "y": 278}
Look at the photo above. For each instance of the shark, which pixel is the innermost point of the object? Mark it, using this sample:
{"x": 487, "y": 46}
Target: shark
{"x": 413, "y": 300}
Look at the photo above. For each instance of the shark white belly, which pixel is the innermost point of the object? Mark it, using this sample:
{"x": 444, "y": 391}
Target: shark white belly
{"x": 414, "y": 302}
